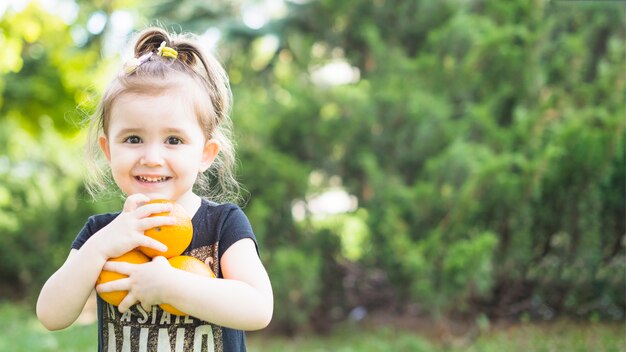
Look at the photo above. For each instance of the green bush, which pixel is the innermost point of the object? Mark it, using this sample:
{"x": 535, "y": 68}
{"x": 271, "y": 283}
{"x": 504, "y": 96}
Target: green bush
{"x": 484, "y": 141}
{"x": 296, "y": 277}
{"x": 42, "y": 207}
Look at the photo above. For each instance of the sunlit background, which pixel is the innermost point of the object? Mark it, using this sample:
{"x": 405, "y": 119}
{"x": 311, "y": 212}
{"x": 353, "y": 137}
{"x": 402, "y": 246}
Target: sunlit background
{"x": 420, "y": 175}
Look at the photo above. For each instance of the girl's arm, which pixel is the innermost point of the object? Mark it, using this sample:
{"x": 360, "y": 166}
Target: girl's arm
{"x": 242, "y": 300}
{"x": 63, "y": 296}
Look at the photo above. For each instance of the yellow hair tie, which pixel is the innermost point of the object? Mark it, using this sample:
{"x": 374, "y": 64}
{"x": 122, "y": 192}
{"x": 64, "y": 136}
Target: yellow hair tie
{"x": 166, "y": 51}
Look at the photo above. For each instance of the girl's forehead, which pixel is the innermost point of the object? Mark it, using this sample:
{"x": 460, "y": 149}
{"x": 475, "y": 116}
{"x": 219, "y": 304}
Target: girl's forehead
{"x": 165, "y": 98}
{"x": 146, "y": 111}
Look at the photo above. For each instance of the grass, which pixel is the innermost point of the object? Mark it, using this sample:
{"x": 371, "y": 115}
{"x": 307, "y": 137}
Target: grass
{"x": 20, "y": 331}
{"x": 555, "y": 336}
{"x": 530, "y": 337}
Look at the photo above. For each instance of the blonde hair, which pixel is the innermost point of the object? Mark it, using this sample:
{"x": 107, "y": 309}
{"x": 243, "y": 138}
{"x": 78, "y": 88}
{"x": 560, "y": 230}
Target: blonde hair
{"x": 211, "y": 97}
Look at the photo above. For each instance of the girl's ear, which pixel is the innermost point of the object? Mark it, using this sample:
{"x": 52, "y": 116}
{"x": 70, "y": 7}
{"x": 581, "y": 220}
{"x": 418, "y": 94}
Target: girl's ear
{"x": 211, "y": 149}
{"x": 104, "y": 146}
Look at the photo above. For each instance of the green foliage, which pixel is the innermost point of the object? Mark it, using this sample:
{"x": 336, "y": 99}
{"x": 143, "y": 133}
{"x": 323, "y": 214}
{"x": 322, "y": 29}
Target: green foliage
{"x": 481, "y": 140}
{"x": 484, "y": 141}
{"x": 297, "y": 273}
{"x": 45, "y": 77}
{"x": 42, "y": 207}
{"x": 45, "y": 81}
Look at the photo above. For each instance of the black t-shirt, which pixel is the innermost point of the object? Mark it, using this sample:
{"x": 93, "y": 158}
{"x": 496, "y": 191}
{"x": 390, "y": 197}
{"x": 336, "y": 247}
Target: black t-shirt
{"x": 215, "y": 228}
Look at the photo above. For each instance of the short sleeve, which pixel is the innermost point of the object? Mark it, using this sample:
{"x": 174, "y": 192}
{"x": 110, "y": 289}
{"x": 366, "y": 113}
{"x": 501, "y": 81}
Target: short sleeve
{"x": 93, "y": 225}
{"x": 235, "y": 227}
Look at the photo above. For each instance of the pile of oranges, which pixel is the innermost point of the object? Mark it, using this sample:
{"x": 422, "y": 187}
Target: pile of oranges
{"x": 176, "y": 237}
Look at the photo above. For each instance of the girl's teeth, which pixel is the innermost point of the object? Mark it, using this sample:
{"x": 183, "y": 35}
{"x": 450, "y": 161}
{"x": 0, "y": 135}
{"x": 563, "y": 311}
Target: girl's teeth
{"x": 152, "y": 179}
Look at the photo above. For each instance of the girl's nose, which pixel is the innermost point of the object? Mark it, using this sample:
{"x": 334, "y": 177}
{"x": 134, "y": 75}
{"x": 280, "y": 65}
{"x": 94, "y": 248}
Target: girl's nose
{"x": 152, "y": 155}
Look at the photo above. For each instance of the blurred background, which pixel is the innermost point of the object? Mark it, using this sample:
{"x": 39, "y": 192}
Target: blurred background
{"x": 420, "y": 175}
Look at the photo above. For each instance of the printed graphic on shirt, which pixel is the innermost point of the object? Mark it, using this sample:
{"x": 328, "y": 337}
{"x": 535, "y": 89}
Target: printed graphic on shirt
{"x": 209, "y": 255}
{"x": 158, "y": 330}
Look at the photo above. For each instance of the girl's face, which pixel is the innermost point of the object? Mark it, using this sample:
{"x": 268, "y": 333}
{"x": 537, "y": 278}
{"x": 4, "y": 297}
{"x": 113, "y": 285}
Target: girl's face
{"x": 155, "y": 145}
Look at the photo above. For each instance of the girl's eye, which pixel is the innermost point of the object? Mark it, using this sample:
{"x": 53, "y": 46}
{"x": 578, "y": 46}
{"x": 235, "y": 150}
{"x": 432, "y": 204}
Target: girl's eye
{"x": 174, "y": 140}
{"x": 132, "y": 140}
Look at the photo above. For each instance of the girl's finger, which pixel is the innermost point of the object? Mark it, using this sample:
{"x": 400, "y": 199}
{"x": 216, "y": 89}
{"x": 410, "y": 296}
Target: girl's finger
{"x": 155, "y": 221}
{"x": 161, "y": 260}
{"x": 127, "y": 302}
{"x": 119, "y": 267}
{"x": 115, "y": 285}
{"x": 146, "y": 307}
{"x": 152, "y": 243}
{"x": 134, "y": 201}
{"x": 152, "y": 208}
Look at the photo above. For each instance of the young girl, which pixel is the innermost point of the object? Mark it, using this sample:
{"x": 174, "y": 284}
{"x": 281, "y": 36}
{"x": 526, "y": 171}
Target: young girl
{"x": 162, "y": 126}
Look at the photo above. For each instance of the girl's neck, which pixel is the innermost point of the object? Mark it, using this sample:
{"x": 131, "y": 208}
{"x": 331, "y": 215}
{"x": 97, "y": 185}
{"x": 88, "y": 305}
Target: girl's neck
{"x": 191, "y": 202}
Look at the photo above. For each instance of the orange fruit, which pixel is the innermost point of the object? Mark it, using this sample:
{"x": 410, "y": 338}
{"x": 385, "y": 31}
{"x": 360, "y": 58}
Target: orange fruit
{"x": 190, "y": 264}
{"x": 176, "y": 237}
{"x": 116, "y": 297}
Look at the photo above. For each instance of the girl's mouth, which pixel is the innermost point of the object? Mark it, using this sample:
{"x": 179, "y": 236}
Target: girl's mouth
{"x": 151, "y": 179}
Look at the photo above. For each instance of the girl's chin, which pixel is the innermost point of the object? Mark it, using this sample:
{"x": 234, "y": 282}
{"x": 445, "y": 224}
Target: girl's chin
{"x": 152, "y": 192}
{"x": 152, "y": 187}
{"x": 157, "y": 195}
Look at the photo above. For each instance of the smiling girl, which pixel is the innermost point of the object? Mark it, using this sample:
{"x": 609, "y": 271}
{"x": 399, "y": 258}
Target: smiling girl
{"x": 162, "y": 127}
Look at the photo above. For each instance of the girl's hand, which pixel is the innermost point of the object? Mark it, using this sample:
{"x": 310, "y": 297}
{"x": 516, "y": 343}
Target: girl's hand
{"x": 126, "y": 232}
{"x": 145, "y": 282}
